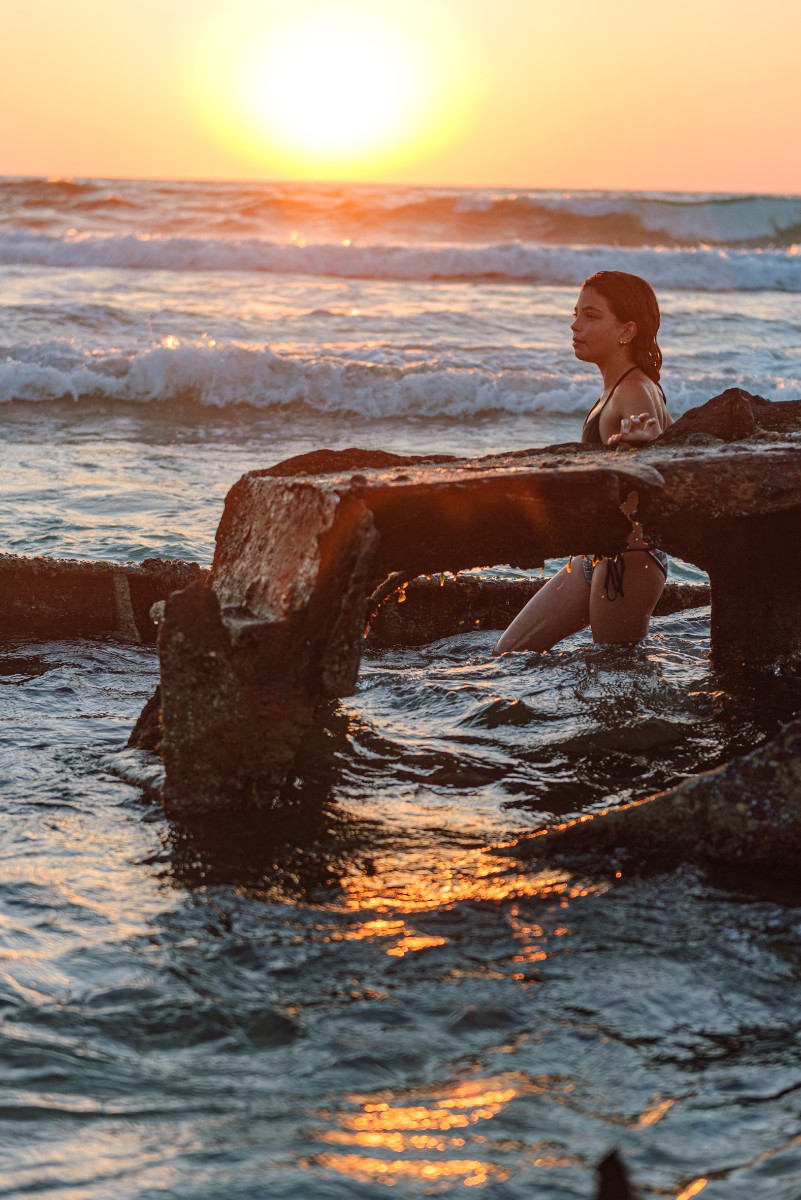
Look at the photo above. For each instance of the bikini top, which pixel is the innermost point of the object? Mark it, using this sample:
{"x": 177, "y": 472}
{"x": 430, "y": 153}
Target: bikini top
{"x": 591, "y": 432}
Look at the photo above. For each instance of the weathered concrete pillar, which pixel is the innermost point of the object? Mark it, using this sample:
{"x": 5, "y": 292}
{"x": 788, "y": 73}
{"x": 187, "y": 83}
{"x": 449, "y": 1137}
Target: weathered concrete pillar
{"x": 736, "y": 513}
{"x": 246, "y": 663}
{"x": 755, "y": 580}
{"x": 739, "y": 520}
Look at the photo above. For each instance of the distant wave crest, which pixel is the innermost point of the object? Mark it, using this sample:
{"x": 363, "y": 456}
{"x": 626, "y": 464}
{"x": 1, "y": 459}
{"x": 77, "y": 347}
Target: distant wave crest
{"x": 703, "y": 268}
{"x": 382, "y": 215}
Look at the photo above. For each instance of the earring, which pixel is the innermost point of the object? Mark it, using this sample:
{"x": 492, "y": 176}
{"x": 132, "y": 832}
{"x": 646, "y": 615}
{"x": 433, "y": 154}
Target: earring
{"x": 622, "y": 342}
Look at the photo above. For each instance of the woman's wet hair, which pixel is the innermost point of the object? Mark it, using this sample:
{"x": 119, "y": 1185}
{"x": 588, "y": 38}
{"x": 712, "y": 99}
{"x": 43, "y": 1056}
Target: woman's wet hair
{"x": 632, "y": 299}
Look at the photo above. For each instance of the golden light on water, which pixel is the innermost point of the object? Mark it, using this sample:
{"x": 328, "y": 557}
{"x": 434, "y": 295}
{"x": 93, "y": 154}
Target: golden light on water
{"x": 401, "y": 939}
{"x": 428, "y": 1125}
{"x": 655, "y": 1111}
{"x": 457, "y": 1133}
{"x": 440, "y": 1136}
{"x": 469, "y": 1172}
{"x": 694, "y": 1189}
{"x": 335, "y": 91}
{"x": 446, "y": 1133}
{"x": 443, "y": 1136}
{"x": 419, "y": 883}
{"x": 410, "y": 942}
{"x": 407, "y": 885}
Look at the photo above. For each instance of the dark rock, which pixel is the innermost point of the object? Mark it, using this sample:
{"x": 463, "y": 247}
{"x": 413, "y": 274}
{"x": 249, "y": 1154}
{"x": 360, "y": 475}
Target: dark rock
{"x": 745, "y": 814}
{"x": 613, "y": 1181}
{"x": 147, "y": 732}
{"x": 733, "y": 416}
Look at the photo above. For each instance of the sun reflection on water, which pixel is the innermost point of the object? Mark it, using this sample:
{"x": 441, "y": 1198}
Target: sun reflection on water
{"x": 424, "y": 1135}
{"x": 407, "y": 884}
{"x": 410, "y": 883}
{"x": 469, "y": 1172}
{"x": 410, "y": 942}
{"x": 694, "y": 1189}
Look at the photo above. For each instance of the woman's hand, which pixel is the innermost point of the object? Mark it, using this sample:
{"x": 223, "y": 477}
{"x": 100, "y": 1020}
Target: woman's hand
{"x": 635, "y": 431}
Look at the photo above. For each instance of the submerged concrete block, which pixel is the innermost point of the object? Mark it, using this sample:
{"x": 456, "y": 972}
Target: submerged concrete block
{"x": 745, "y": 814}
{"x": 66, "y": 598}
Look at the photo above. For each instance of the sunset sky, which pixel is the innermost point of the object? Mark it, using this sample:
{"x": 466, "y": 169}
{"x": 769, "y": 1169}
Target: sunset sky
{"x": 687, "y": 95}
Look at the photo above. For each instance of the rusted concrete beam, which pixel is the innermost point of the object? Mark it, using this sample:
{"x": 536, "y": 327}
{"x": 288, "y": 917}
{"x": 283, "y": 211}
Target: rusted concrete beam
{"x": 67, "y": 598}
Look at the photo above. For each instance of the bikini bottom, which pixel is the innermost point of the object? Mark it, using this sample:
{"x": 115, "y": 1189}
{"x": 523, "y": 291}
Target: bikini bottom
{"x": 615, "y": 568}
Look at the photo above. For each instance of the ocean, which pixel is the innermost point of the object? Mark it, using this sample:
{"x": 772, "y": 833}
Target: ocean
{"x": 374, "y": 1003}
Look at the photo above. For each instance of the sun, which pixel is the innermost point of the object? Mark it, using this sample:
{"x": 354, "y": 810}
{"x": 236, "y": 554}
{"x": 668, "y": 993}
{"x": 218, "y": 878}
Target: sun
{"x": 334, "y": 86}
{"x": 331, "y": 88}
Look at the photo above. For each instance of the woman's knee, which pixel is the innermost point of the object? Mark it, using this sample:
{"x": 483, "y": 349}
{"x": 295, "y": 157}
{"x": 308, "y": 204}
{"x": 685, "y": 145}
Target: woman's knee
{"x": 522, "y": 634}
{"x": 504, "y": 645}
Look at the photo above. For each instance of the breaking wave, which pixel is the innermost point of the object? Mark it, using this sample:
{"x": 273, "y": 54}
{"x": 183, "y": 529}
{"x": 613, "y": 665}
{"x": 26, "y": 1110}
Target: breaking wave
{"x": 703, "y": 268}
{"x": 237, "y": 376}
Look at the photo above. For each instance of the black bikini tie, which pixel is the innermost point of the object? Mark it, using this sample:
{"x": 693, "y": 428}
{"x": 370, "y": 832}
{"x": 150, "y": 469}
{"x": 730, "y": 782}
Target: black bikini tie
{"x": 616, "y": 567}
{"x": 613, "y": 580}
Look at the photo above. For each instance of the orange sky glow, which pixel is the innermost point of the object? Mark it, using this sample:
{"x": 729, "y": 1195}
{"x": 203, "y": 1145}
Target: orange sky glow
{"x": 518, "y": 93}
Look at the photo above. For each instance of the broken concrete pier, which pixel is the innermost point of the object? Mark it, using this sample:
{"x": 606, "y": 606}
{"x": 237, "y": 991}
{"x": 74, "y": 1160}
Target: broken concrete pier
{"x": 247, "y": 660}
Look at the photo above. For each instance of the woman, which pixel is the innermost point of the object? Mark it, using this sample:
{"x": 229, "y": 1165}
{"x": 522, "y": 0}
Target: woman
{"x": 614, "y": 326}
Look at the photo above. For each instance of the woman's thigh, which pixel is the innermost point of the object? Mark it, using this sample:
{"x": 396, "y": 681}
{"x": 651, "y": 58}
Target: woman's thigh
{"x": 558, "y": 609}
{"x": 626, "y": 617}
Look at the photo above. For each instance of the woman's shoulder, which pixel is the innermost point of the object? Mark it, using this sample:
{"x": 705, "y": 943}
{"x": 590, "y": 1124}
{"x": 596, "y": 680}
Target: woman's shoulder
{"x": 637, "y": 388}
{"x": 638, "y": 393}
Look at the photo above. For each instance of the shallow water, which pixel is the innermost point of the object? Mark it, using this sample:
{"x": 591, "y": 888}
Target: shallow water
{"x": 391, "y": 1004}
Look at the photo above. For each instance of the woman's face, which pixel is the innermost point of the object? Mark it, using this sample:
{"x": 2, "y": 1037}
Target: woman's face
{"x": 597, "y": 333}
